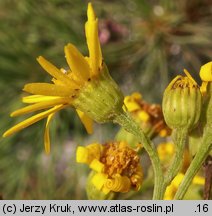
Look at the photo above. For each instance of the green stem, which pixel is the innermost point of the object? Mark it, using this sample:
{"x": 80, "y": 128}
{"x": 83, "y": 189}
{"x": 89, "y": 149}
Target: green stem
{"x": 196, "y": 163}
{"x": 180, "y": 138}
{"x": 129, "y": 124}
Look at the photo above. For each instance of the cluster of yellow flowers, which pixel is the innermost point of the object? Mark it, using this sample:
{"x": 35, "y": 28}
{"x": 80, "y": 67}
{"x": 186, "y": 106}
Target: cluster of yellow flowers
{"x": 166, "y": 152}
{"x": 116, "y": 166}
{"x": 172, "y": 188}
{"x": 149, "y": 116}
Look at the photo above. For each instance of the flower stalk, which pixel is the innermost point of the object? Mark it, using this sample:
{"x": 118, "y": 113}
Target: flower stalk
{"x": 195, "y": 164}
{"x": 180, "y": 138}
{"x": 129, "y": 124}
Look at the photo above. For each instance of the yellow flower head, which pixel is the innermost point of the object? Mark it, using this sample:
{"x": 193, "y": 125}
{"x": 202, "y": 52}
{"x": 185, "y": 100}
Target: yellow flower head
{"x": 172, "y": 188}
{"x": 116, "y": 167}
{"x": 86, "y": 86}
{"x": 148, "y": 115}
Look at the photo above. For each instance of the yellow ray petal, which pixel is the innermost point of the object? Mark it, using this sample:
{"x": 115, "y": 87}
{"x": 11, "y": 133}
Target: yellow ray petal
{"x": 198, "y": 180}
{"x": 97, "y": 166}
{"x": 57, "y": 82}
{"x": 206, "y": 72}
{"x": 47, "y": 89}
{"x": 189, "y": 76}
{"x": 46, "y": 134}
{"x": 91, "y": 31}
{"x": 87, "y": 121}
{"x": 40, "y": 106}
{"x": 203, "y": 87}
{"x": 80, "y": 82}
{"x": 131, "y": 105}
{"x": 172, "y": 82}
{"x": 77, "y": 62}
{"x": 118, "y": 183}
{"x": 55, "y": 72}
{"x": 82, "y": 155}
{"x": 32, "y": 120}
{"x": 38, "y": 98}
{"x": 90, "y": 12}
{"x": 99, "y": 179}
{"x": 143, "y": 116}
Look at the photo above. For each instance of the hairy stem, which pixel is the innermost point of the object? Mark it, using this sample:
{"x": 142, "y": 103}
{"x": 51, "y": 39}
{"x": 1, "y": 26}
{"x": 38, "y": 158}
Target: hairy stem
{"x": 196, "y": 163}
{"x": 180, "y": 137}
{"x": 129, "y": 124}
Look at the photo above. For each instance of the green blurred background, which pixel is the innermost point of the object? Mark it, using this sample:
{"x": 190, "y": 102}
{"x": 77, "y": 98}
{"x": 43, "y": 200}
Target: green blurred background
{"x": 145, "y": 44}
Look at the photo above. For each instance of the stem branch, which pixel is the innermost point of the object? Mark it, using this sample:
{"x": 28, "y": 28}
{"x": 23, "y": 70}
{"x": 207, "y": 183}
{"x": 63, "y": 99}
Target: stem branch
{"x": 196, "y": 163}
{"x": 180, "y": 137}
{"x": 129, "y": 124}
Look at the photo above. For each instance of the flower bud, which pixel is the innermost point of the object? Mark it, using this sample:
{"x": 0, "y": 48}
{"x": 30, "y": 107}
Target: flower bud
{"x": 182, "y": 102}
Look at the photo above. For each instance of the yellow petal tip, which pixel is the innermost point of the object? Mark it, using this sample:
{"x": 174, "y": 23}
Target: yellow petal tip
{"x": 47, "y": 148}
{"x": 12, "y": 114}
{"x": 66, "y": 47}
{"x": 189, "y": 76}
{"x": 90, "y": 12}
{"x": 39, "y": 58}
{"x": 5, "y": 134}
{"x": 47, "y": 152}
{"x": 69, "y": 49}
{"x": 24, "y": 88}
